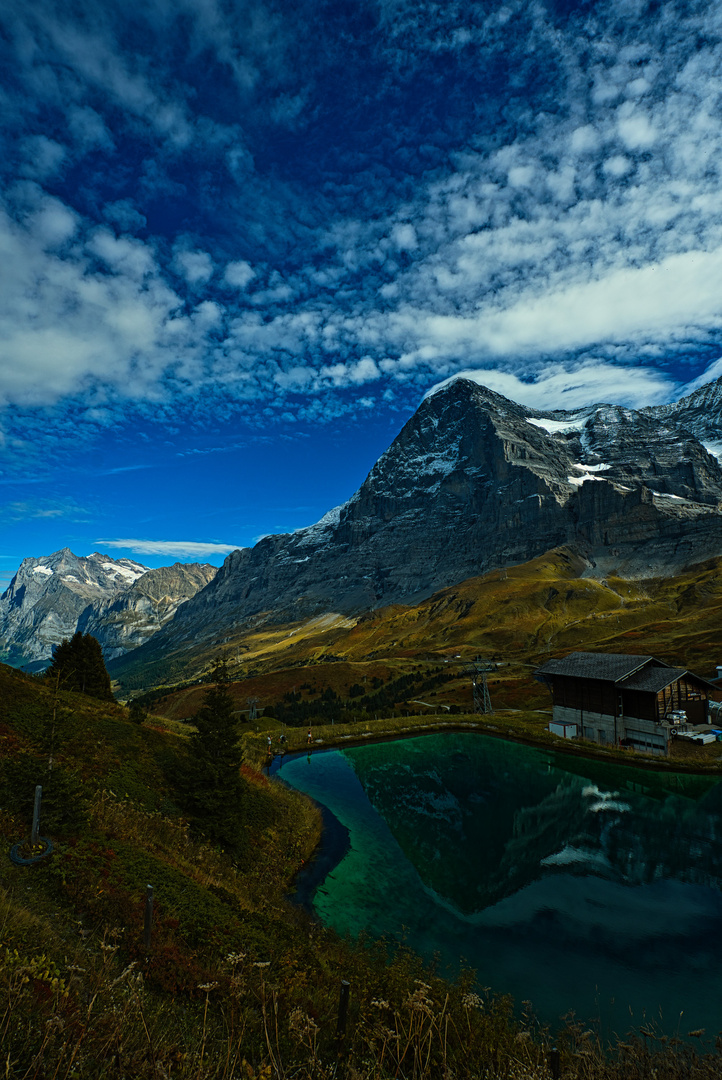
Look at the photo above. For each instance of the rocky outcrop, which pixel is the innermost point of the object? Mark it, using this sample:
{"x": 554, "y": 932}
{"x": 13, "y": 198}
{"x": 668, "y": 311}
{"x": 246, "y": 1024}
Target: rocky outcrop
{"x": 119, "y": 601}
{"x": 128, "y": 620}
{"x": 472, "y": 482}
{"x": 46, "y": 598}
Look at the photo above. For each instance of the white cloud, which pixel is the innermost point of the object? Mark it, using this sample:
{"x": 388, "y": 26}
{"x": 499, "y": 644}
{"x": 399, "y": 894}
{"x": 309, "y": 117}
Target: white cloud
{"x": 126, "y": 256}
{"x": 88, "y": 129}
{"x": 50, "y": 222}
{"x": 593, "y": 227}
{"x": 649, "y": 304}
{"x": 195, "y": 266}
{"x": 43, "y": 157}
{"x": 617, "y": 165}
{"x": 557, "y": 387}
{"x": 65, "y": 326}
{"x": 239, "y": 274}
{"x": 125, "y": 215}
{"x": 354, "y": 374}
{"x": 585, "y": 140}
{"x": 403, "y": 235}
{"x": 636, "y": 132}
{"x": 178, "y": 549}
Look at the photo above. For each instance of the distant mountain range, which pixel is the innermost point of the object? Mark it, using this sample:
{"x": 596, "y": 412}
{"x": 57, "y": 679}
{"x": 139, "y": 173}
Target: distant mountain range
{"x": 120, "y": 602}
{"x": 473, "y": 482}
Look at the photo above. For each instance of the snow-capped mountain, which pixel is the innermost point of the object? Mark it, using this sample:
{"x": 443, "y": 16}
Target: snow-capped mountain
{"x": 53, "y": 596}
{"x": 126, "y": 620}
{"x": 476, "y": 481}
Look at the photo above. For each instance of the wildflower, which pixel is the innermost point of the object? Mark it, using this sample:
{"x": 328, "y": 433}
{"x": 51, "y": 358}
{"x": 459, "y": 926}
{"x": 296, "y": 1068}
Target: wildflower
{"x": 207, "y": 986}
{"x": 471, "y": 1001}
{"x": 123, "y": 975}
{"x": 261, "y": 963}
{"x": 379, "y": 1004}
{"x": 235, "y": 957}
{"x": 300, "y": 1023}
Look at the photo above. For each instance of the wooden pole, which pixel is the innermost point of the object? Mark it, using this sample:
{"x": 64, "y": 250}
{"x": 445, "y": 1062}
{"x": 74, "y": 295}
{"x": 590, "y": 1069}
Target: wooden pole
{"x": 148, "y": 925}
{"x": 36, "y": 815}
{"x": 343, "y": 1008}
{"x": 555, "y": 1065}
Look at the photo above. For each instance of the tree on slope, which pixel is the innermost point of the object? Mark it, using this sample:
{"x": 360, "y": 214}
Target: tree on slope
{"x": 78, "y": 665}
{"x": 215, "y": 789}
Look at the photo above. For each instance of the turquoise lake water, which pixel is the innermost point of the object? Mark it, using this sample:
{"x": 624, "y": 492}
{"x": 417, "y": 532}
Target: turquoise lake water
{"x": 576, "y": 885}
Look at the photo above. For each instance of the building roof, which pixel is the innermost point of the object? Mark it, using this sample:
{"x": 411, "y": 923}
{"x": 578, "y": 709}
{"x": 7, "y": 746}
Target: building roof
{"x": 645, "y": 673}
{"x": 655, "y": 678}
{"x": 609, "y": 667}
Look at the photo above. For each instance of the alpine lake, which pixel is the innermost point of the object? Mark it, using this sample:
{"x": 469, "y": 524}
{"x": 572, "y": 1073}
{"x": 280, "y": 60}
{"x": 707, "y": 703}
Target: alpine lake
{"x": 580, "y": 886}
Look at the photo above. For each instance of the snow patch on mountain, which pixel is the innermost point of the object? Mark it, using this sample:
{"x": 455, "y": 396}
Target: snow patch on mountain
{"x": 557, "y": 427}
{"x": 579, "y": 480}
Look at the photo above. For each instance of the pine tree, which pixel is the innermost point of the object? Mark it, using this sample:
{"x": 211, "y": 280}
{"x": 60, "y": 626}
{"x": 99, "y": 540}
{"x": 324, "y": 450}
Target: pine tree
{"x": 137, "y": 712}
{"x": 215, "y": 788}
{"x": 78, "y": 665}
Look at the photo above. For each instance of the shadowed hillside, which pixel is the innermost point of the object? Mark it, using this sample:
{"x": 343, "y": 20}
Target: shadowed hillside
{"x": 235, "y": 981}
{"x": 522, "y": 614}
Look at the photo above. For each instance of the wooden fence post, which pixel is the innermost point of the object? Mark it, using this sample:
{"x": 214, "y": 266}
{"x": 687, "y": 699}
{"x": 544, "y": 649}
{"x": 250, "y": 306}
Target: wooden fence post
{"x": 555, "y": 1066}
{"x": 148, "y": 925}
{"x": 36, "y": 815}
{"x": 343, "y": 1008}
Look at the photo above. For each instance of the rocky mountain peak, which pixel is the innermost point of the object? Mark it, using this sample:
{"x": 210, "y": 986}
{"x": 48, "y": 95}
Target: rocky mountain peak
{"x": 475, "y": 481}
{"x": 52, "y": 596}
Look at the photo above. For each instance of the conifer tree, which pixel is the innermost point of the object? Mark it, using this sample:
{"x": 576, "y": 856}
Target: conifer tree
{"x": 215, "y": 788}
{"x": 78, "y": 665}
{"x": 137, "y": 712}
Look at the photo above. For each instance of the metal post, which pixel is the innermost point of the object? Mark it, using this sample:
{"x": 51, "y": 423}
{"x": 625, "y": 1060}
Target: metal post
{"x": 343, "y": 1007}
{"x": 148, "y": 925}
{"x": 36, "y": 815}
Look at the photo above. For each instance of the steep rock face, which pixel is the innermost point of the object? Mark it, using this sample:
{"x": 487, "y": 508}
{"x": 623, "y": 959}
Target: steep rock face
{"x": 45, "y": 599}
{"x": 128, "y": 620}
{"x": 120, "y": 602}
{"x": 699, "y": 413}
{"x": 475, "y": 481}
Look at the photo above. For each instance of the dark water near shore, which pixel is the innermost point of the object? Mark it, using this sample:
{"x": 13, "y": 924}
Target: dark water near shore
{"x": 574, "y": 884}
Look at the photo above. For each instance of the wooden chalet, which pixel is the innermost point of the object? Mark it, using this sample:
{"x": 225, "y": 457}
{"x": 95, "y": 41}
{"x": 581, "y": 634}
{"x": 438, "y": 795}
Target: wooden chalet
{"x": 613, "y": 698}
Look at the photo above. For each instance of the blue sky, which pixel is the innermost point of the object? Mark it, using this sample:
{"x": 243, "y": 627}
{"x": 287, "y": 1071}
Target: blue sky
{"x": 240, "y": 241}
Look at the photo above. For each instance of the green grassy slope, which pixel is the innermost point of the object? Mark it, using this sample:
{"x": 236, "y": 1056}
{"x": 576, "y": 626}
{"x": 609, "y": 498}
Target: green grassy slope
{"x": 524, "y": 614}
{"x": 237, "y": 983}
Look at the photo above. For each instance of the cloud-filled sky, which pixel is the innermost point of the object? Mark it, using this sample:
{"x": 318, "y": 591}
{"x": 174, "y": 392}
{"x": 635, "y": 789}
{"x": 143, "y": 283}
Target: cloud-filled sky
{"x": 241, "y": 239}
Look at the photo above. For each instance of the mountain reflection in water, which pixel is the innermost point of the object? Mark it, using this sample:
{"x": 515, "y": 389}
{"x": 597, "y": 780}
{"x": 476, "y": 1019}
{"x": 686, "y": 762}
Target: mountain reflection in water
{"x": 576, "y": 884}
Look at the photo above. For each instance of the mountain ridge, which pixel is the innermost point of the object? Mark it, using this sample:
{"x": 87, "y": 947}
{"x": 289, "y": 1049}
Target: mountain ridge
{"x": 475, "y": 481}
{"x": 52, "y": 596}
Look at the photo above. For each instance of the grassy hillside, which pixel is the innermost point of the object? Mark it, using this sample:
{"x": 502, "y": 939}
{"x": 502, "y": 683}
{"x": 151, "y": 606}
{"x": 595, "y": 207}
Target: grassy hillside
{"x": 517, "y": 618}
{"x": 237, "y": 983}
{"x": 523, "y": 614}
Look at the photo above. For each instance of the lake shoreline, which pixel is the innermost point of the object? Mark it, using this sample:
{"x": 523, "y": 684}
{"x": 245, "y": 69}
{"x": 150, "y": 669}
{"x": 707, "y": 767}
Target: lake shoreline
{"x": 631, "y": 758}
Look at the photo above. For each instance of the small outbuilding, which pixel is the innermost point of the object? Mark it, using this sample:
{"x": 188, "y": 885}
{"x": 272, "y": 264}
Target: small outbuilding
{"x": 617, "y": 699}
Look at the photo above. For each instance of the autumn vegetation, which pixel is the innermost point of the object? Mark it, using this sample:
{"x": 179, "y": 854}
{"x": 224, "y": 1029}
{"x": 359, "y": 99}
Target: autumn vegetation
{"x": 238, "y": 982}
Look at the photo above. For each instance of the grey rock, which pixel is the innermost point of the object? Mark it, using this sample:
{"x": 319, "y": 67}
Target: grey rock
{"x": 128, "y": 620}
{"x": 472, "y": 482}
{"x": 47, "y": 596}
{"x": 119, "y": 601}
